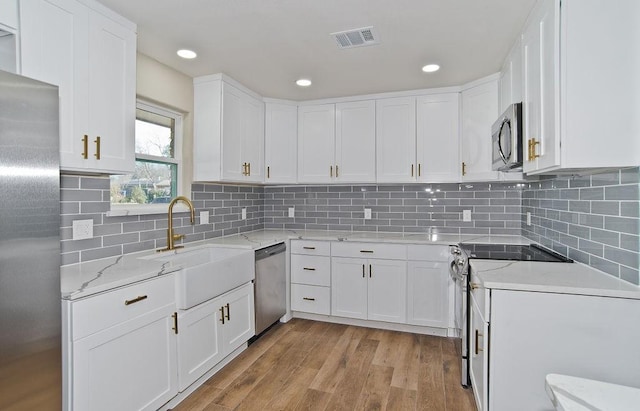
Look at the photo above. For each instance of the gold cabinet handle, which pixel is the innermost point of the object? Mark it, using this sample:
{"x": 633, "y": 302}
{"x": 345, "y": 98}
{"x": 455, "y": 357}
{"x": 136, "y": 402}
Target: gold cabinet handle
{"x": 309, "y": 269}
{"x": 478, "y": 335}
{"x": 336, "y": 171}
{"x": 135, "y": 300}
{"x": 308, "y": 299}
{"x": 534, "y": 143}
{"x": 85, "y": 143}
{"x": 97, "y": 141}
{"x": 474, "y": 285}
{"x": 175, "y": 323}
{"x": 411, "y": 170}
{"x": 249, "y": 169}
{"x": 330, "y": 171}
{"x": 244, "y": 169}
{"x": 464, "y": 168}
{"x": 309, "y": 248}
{"x": 222, "y": 314}
{"x": 419, "y": 169}
{"x": 228, "y": 313}
{"x": 268, "y": 172}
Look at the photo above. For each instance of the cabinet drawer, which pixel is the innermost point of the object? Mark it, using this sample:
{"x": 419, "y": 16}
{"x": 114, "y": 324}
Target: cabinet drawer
{"x": 369, "y": 250}
{"x": 309, "y": 247}
{"x": 114, "y": 307}
{"x": 427, "y": 252}
{"x": 310, "y": 299}
{"x": 311, "y": 270}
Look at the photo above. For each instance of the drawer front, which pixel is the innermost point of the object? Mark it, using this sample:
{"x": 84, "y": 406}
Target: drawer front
{"x": 427, "y": 252}
{"x": 102, "y": 311}
{"x": 369, "y": 250}
{"x": 311, "y": 299}
{"x": 309, "y": 247}
{"x": 311, "y": 270}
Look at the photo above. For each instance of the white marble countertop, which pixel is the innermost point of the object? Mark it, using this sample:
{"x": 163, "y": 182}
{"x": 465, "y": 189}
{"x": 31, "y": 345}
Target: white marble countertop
{"x": 84, "y": 279}
{"x": 580, "y": 394}
{"x": 565, "y": 278}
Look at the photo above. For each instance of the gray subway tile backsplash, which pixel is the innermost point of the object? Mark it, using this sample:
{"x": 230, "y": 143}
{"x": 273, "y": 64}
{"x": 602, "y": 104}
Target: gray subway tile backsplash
{"x": 592, "y": 219}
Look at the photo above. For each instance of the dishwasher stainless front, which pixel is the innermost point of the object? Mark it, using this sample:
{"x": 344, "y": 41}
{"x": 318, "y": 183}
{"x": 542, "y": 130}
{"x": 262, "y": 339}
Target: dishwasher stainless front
{"x": 270, "y": 286}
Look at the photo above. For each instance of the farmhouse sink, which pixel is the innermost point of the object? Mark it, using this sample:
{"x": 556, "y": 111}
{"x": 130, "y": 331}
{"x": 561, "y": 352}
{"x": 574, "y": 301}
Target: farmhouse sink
{"x": 208, "y": 272}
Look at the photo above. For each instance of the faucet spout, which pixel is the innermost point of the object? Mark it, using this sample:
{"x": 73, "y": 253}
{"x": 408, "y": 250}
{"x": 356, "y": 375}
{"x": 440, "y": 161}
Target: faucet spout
{"x": 171, "y": 237}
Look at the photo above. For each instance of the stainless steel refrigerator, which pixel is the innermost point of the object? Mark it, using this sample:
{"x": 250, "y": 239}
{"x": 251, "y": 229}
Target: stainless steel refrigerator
{"x": 30, "y": 319}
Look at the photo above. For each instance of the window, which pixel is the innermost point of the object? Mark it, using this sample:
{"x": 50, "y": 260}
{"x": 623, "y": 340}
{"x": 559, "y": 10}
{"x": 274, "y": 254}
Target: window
{"x": 158, "y": 137}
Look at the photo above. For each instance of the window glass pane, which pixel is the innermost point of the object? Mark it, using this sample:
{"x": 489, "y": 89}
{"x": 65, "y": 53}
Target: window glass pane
{"x": 152, "y": 182}
{"x": 154, "y": 134}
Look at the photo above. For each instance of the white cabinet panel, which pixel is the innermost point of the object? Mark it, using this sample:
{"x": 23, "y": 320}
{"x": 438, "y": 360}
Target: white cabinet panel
{"x": 316, "y": 143}
{"x": 438, "y": 143}
{"x": 311, "y": 270}
{"x": 355, "y": 156}
{"x": 511, "y": 77}
{"x": 396, "y": 140}
{"x": 9, "y": 13}
{"x": 311, "y": 299}
{"x": 478, "y": 354}
{"x": 428, "y": 295}
{"x": 349, "y": 287}
{"x": 233, "y": 167}
{"x": 387, "y": 291}
{"x": 479, "y": 111}
{"x": 281, "y": 134}
{"x": 239, "y": 323}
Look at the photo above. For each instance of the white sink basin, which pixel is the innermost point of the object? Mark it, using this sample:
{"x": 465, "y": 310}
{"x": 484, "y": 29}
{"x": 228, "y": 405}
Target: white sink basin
{"x": 208, "y": 272}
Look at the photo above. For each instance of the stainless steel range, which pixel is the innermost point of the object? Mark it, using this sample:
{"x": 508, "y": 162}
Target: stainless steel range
{"x": 460, "y": 272}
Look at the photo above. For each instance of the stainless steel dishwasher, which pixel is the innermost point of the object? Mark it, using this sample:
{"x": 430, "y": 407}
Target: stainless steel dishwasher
{"x": 270, "y": 286}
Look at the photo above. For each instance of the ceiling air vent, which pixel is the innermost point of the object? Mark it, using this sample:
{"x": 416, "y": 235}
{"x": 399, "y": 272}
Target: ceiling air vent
{"x": 356, "y": 38}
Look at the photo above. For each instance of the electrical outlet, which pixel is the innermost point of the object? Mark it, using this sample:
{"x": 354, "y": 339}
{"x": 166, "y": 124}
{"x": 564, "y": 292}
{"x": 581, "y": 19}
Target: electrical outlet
{"x": 204, "y": 217}
{"x": 82, "y": 229}
{"x": 292, "y": 212}
{"x": 244, "y": 214}
{"x": 466, "y": 215}
{"x": 367, "y": 214}
{"x": 528, "y": 218}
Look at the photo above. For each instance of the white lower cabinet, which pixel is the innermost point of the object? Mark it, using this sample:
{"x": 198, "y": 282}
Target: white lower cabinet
{"x": 311, "y": 276}
{"x": 212, "y": 330}
{"x": 478, "y": 354}
{"x": 428, "y": 293}
{"x": 123, "y": 348}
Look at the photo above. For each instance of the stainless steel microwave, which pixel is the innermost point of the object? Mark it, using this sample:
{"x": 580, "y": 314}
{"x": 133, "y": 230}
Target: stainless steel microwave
{"x": 506, "y": 139}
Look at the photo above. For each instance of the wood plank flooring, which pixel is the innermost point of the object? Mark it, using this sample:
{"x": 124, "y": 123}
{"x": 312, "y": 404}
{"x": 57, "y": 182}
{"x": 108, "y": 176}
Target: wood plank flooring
{"x": 310, "y": 365}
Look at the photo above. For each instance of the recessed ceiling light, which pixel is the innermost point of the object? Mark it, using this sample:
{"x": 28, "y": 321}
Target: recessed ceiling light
{"x": 303, "y": 82}
{"x": 430, "y": 68}
{"x": 187, "y": 54}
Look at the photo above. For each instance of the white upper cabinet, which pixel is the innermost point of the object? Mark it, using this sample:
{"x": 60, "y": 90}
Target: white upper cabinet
{"x": 396, "y": 140}
{"x": 90, "y": 53}
{"x": 511, "y": 77}
{"x": 479, "y": 111}
{"x": 356, "y": 142}
{"x": 316, "y": 143}
{"x": 580, "y": 90}
{"x": 9, "y": 14}
{"x": 438, "y": 147}
{"x": 336, "y": 142}
{"x": 281, "y": 134}
{"x": 228, "y": 131}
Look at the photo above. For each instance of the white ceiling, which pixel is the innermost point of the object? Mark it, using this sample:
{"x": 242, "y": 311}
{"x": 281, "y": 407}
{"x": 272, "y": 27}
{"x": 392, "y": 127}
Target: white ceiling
{"x": 268, "y": 44}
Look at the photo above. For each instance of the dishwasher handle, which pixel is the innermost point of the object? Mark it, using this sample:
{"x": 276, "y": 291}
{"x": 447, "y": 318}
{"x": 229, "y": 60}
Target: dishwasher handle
{"x": 269, "y": 251}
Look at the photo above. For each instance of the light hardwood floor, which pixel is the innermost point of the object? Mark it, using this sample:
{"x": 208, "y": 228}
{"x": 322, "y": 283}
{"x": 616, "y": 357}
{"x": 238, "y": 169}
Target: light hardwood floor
{"x": 309, "y": 365}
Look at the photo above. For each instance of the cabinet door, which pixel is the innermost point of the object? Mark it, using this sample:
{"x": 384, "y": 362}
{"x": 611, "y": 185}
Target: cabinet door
{"x": 9, "y": 13}
{"x": 540, "y": 56}
{"x": 428, "y": 298}
{"x": 316, "y": 143}
{"x": 232, "y": 126}
{"x": 131, "y": 366}
{"x": 112, "y": 95}
{"x": 356, "y": 142}
{"x": 199, "y": 342}
{"x": 239, "y": 321}
{"x": 479, "y": 111}
{"x": 56, "y": 31}
{"x": 396, "y": 140}
{"x": 438, "y": 142}
{"x": 478, "y": 353}
{"x": 349, "y": 287}
{"x": 387, "y": 290}
{"x": 281, "y": 133}
{"x": 253, "y": 138}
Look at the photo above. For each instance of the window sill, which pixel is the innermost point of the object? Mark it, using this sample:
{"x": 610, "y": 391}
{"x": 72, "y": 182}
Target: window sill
{"x": 120, "y": 210}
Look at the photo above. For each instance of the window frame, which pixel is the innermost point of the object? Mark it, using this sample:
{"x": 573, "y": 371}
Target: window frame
{"x": 141, "y": 209}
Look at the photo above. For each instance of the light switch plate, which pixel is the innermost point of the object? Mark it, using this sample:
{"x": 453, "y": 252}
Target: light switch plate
{"x": 204, "y": 217}
{"x": 528, "y": 218}
{"x": 466, "y": 215}
{"x": 82, "y": 229}
{"x": 367, "y": 214}
{"x": 244, "y": 214}
{"x": 292, "y": 212}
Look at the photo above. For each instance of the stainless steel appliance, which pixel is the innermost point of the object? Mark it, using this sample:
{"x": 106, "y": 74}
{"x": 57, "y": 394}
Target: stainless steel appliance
{"x": 270, "y": 286}
{"x": 506, "y": 137}
{"x": 30, "y": 318}
{"x": 460, "y": 269}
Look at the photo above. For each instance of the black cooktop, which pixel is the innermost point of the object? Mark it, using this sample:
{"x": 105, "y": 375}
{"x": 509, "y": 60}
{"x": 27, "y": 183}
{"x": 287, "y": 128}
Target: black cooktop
{"x": 530, "y": 252}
